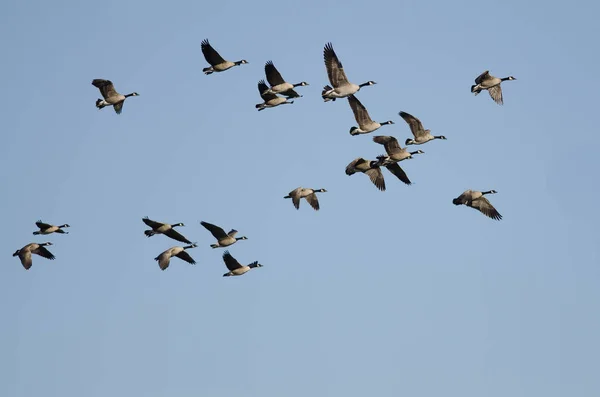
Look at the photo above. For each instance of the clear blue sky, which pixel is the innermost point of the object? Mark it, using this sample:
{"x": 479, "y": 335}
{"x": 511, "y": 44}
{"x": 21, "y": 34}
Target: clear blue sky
{"x": 397, "y": 293}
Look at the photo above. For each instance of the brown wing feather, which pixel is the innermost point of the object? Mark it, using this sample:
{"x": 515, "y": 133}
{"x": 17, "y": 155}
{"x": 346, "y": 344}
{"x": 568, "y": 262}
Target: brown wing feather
{"x": 151, "y": 223}
{"x": 416, "y": 127}
{"x": 186, "y": 257}
{"x": 262, "y": 87}
{"x": 215, "y": 230}
{"x": 273, "y": 75}
{"x": 390, "y": 143}
{"x": 395, "y": 169}
{"x": 335, "y": 70}
{"x": 361, "y": 115}
{"x": 376, "y": 177}
{"x": 483, "y": 76}
{"x": 210, "y": 54}
{"x": 313, "y": 201}
{"x": 106, "y": 87}
{"x": 496, "y": 94}
{"x": 42, "y": 225}
{"x": 175, "y": 235}
{"x": 485, "y": 207}
{"x": 230, "y": 261}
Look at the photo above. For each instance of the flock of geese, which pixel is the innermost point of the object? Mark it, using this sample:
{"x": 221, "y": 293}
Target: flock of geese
{"x": 279, "y": 92}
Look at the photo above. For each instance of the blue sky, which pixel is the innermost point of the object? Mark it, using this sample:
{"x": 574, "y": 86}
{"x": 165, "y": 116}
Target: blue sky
{"x": 379, "y": 293}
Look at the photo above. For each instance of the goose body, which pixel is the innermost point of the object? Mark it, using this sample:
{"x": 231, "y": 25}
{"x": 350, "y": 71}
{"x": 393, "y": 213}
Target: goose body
{"x": 110, "y": 95}
{"x": 216, "y": 61}
{"x": 278, "y": 84}
{"x": 365, "y": 123}
{"x": 236, "y": 268}
{"x": 475, "y": 199}
{"x": 421, "y": 135}
{"x": 223, "y": 239}
{"x": 485, "y": 81}
{"x": 164, "y": 259}
{"x": 164, "y": 228}
{"x": 340, "y": 86}
{"x": 40, "y": 249}
{"x": 370, "y": 168}
{"x": 270, "y": 100}
{"x": 309, "y": 194}
{"x": 46, "y": 228}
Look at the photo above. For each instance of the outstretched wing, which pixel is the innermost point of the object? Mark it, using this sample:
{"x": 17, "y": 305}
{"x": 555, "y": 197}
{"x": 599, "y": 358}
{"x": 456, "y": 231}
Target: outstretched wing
{"x": 262, "y": 87}
{"x": 496, "y": 94}
{"x": 106, "y": 87}
{"x": 230, "y": 261}
{"x": 390, "y": 143}
{"x": 43, "y": 252}
{"x": 273, "y": 75}
{"x": 335, "y": 70}
{"x": 376, "y": 177}
{"x": 42, "y": 225}
{"x": 395, "y": 169}
{"x": 151, "y": 223}
{"x": 291, "y": 93}
{"x": 215, "y": 230}
{"x": 210, "y": 54}
{"x": 25, "y": 257}
{"x": 483, "y": 76}
{"x": 360, "y": 112}
{"x": 174, "y": 234}
{"x": 118, "y": 107}
{"x": 186, "y": 257}
{"x": 313, "y": 201}
{"x": 485, "y": 207}
{"x": 416, "y": 127}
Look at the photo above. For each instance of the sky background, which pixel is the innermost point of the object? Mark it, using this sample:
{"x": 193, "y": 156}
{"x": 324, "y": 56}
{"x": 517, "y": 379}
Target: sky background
{"x": 395, "y": 293}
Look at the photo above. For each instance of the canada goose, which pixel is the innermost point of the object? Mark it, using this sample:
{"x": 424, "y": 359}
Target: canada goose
{"x": 365, "y": 124}
{"x": 270, "y": 100}
{"x": 337, "y": 77}
{"x": 45, "y": 228}
{"x": 393, "y": 149}
{"x": 223, "y": 239}
{"x": 309, "y": 194}
{"x": 278, "y": 84}
{"x": 475, "y": 199}
{"x": 164, "y": 228}
{"x": 165, "y": 257}
{"x": 24, "y": 253}
{"x": 217, "y": 63}
{"x": 369, "y": 168}
{"x": 485, "y": 81}
{"x": 235, "y": 268}
{"x": 111, "y": 96}
{"x": 416, "y": 127}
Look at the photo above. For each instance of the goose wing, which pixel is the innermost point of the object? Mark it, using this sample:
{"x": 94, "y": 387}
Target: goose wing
{"x": 273, "y": 75}
{"x": 291, "y": 93}
{"x": 43, "y": 252}
{"x": 390, "y": 143}
{"x": 313, "y": 201}
{"x": 42, "y": 225}
{"x": 376, "y": 177}
{"x": 230, "y": 261}
{"x": 483, "y": 76}
{"x": 262, "y": 87}
{"x": 210, "y": 54}
{"x": 186, "y": 257}
{"x": 485, "y": 207}
{"x": 496, "y": 94}
{"x": 153, "y": 224}
{"x": 175, "y": 235}
{"x": 25, "y": 257}
{"x": 395, "y": 169}
{"x": 164, "y": 259}
{"x": 215, "y": 230}
{"x": 360, "y": 112}
{"x": 335, "y": 70}
{"x": 416, "y": 127}
{"x": 106, "y": 87}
